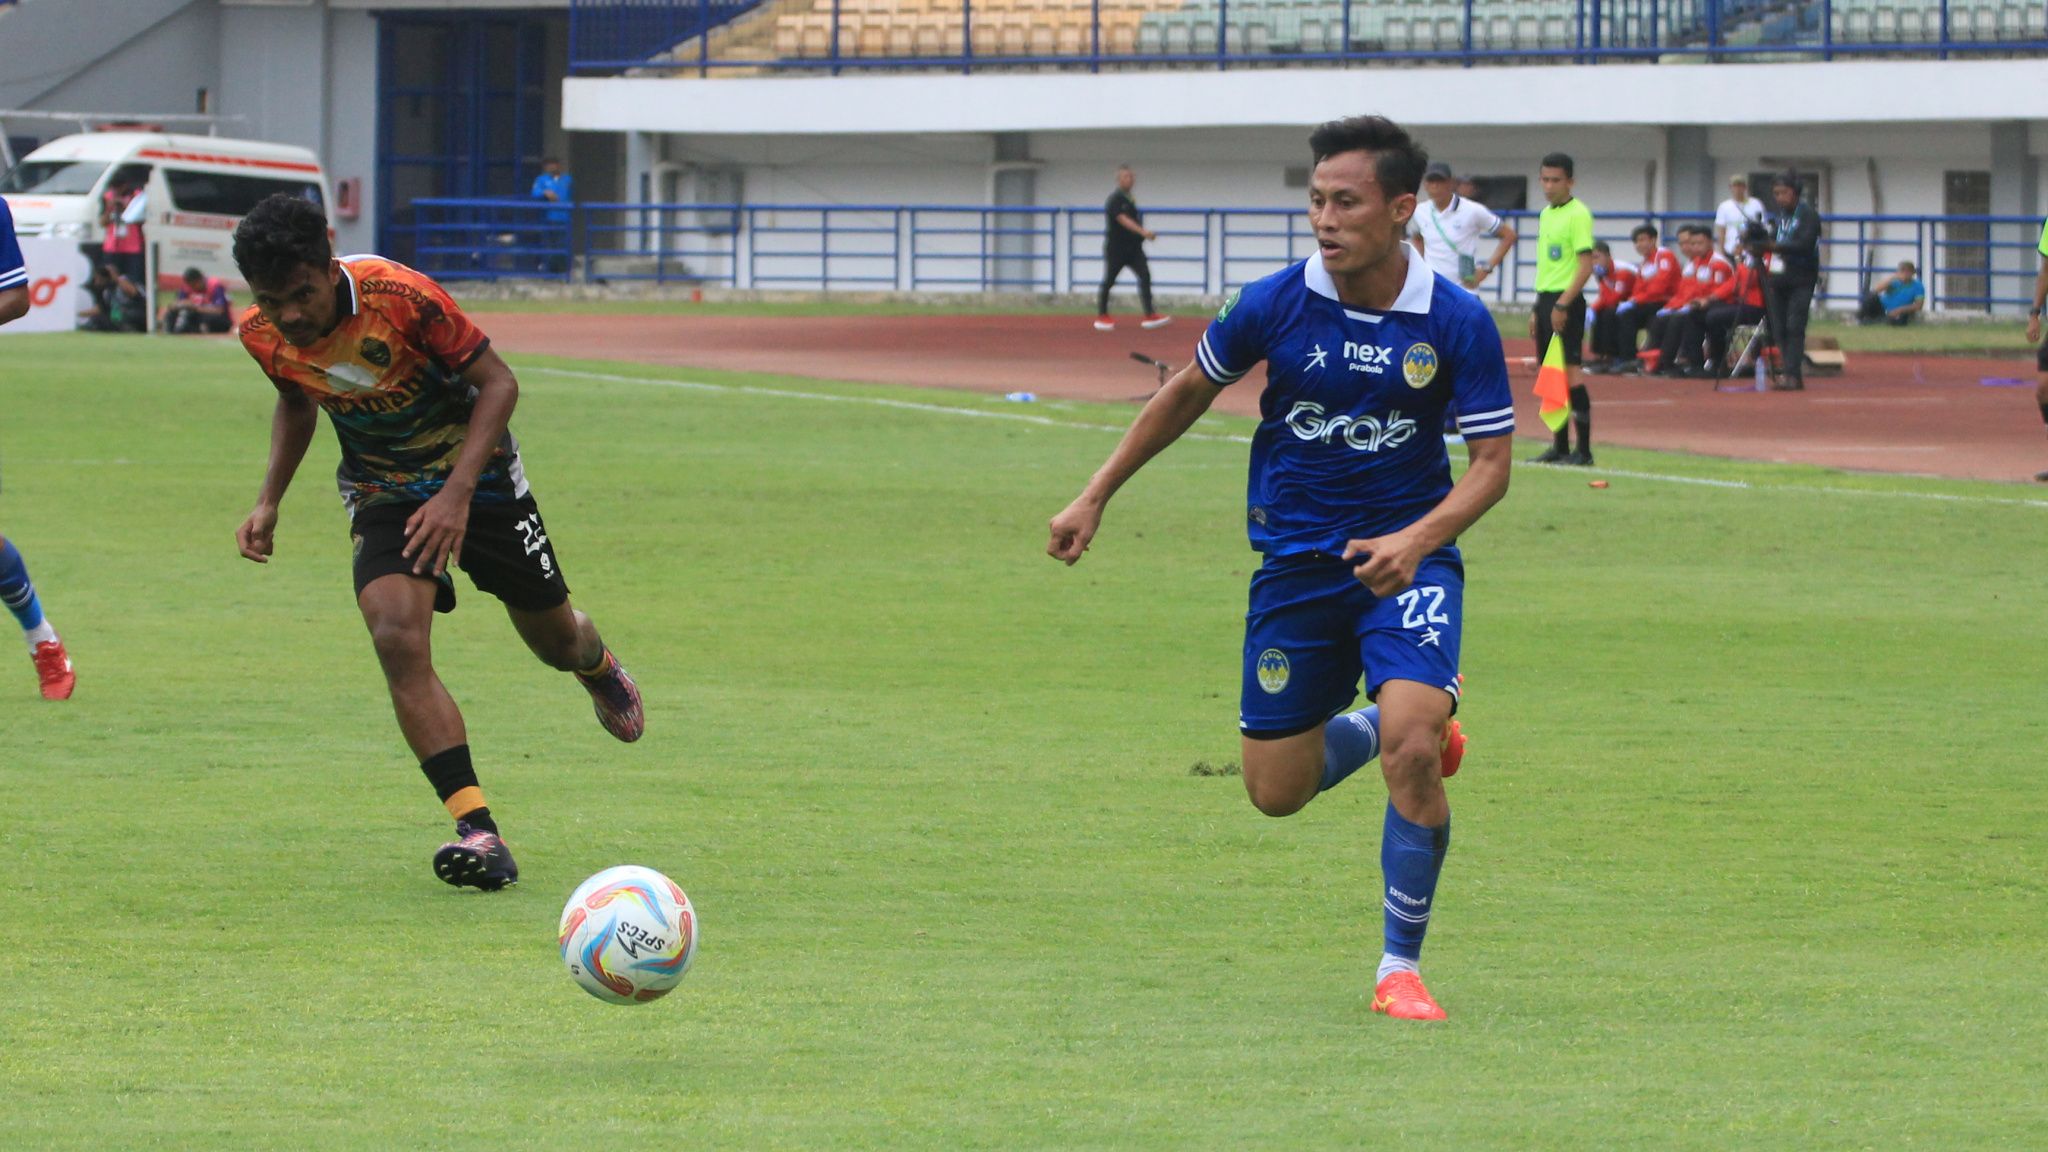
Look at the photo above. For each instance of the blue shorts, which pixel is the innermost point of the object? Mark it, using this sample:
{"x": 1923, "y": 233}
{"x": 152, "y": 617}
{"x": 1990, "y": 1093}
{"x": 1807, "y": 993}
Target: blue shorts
{"x": 1313, "y": 630}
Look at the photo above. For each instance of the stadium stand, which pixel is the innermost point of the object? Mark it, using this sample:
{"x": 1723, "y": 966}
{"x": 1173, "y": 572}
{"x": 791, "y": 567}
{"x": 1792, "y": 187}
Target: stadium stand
{"x": 1051, "y": 32}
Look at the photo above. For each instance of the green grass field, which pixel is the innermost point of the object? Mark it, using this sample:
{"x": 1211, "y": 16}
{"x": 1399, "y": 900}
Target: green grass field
{"x": 1748, "y": 854}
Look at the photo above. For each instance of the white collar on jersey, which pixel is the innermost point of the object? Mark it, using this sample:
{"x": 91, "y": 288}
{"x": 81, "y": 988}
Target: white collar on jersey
{"x": 1415, "y": 291}
{"x": 349, "y": 278}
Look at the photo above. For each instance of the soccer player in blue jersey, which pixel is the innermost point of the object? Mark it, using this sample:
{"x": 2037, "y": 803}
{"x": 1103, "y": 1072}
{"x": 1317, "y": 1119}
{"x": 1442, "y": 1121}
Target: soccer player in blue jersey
{"x": 1352, "y": 503}
{"x": 45, "y": 648}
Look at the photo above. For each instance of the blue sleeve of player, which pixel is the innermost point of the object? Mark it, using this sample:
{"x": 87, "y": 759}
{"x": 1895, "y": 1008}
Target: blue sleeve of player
{"x": 13, "y": 270}
{"x": 1236, "y": 339}
{"x": 1479, "y": 377}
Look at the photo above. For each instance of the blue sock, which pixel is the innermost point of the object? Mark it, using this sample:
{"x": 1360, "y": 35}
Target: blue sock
{"x": 1350, "y": 742}
{"x": 15, "y": 590}
{"x": 1411, "y": 858}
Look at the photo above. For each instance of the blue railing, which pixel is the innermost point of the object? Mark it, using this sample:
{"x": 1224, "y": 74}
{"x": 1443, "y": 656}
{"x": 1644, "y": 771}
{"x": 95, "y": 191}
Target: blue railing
{"x": 1970, "y": 263}
{"x": 833, "y": 36}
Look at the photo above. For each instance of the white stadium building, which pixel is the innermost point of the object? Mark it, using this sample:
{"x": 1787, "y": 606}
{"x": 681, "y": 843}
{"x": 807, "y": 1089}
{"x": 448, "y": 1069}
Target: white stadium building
{"x": 967, "y": 144}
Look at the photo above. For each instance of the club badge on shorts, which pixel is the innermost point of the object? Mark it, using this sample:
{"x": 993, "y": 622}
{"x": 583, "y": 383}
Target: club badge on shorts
{"x": 1419, "y": 365}
{"x": 1273, "y": 671}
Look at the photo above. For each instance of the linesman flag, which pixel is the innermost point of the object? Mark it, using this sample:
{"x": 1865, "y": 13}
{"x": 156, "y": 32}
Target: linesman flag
{"x": 1551, "y": 392}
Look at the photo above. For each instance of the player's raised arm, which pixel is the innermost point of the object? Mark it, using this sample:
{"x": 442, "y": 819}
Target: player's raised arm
{"x": 1171, "y": 411}
{"x": 291, "y": 432}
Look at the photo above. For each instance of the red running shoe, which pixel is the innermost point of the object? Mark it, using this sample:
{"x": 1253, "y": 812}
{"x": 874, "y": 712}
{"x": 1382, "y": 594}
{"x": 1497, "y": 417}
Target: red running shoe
{"x": 53, "y": 668}
{"x": 1402, "y": 996}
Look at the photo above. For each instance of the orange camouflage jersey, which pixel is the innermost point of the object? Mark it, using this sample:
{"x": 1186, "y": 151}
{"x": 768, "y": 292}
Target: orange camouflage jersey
{"x": 390, "y": 379}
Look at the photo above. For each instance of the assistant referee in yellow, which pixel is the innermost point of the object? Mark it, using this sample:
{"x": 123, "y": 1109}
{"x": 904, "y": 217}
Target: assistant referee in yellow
{"x": 1564, "y": 260}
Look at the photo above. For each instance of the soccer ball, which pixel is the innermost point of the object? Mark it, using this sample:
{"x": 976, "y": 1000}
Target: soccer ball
{"x": 628, "y": 934}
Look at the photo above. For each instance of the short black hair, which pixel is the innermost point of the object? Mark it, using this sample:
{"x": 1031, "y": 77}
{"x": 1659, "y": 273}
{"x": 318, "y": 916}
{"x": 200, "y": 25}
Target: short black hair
{"x": 1559, "y": 161}
{"x": 194, "y": 274}
{"x": 1398, "y": 160}
{"x": 1649, "y": 230}
{"x": 278, "y": 235}
{"x": 1601, "y": 246}
{"x": 1786, "y": 179}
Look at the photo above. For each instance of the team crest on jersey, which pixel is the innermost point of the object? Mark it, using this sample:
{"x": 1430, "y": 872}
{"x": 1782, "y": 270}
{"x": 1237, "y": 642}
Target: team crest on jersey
{"x": 376, "y": 352}
{"x": 1273, "y": 671}
{"x": 1229, "y": 304}
{"x": 1419, "y": 365}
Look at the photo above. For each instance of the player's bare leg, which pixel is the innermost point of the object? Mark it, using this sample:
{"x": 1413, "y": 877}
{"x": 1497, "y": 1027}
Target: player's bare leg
{"x": 565, "y": 639}
{"x": 1413, "y": 716}
{"x": 399, "y": 612}
{"x": 1281, "y": 776}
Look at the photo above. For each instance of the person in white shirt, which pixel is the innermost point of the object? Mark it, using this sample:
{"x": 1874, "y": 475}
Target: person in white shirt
{"x": 1446, "y": 229}
{"x": 1735, "y": 214}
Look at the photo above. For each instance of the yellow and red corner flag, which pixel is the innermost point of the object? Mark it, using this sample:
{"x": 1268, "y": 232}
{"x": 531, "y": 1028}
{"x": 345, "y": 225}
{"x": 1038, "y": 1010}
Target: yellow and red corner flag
{"x": 1551, "y": 391}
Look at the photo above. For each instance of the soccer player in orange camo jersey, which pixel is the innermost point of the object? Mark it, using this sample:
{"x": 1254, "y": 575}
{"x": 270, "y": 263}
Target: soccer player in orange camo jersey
{"x": 431, "y": 478}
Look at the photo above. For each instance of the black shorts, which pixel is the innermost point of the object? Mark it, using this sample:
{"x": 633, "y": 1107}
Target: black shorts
{"x": 506, "y": 553}
{"x": 2041, "y": 356}
{"x": 1574, "y": 325}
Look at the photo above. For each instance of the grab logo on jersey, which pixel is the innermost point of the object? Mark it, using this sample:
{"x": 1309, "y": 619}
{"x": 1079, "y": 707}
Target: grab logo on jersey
{"x": 1368, "y": 357}
{"x": 1363, "y": 433}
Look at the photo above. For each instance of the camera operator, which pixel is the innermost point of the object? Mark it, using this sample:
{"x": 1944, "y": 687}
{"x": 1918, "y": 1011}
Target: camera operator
{"x": 1796, "y": 271}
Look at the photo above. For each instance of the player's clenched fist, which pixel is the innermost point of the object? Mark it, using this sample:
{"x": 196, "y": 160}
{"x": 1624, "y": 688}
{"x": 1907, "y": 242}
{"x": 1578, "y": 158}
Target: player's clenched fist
{"x": 254, "y": 536}
{"x": 1072, "y": 529}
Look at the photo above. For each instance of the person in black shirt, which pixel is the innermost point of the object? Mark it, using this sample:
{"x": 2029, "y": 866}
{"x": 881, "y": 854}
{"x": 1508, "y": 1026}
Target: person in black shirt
{"x": 1796, "y": 248}
{"x": 1123, "y": 246}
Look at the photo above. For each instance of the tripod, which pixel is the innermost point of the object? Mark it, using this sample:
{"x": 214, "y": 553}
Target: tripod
{"x": 1760, "y": 345}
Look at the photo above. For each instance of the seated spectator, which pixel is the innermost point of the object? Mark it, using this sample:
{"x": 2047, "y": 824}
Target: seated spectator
{"x": 1656, "y": 280}
{"x": 1896, "y": 299}
{"x": 201, "y": 306}
{"x": 1617, "y": 281}
{"x": 117, "y": 304}
{"x": 1679, "y": 330}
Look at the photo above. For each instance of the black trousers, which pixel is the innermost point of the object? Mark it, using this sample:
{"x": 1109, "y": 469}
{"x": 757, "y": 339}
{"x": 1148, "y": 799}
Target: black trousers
{"x": 1873, "y": 311}
{"x": 1791, "y": 302}
{"x": 1630, "y": 324}
{"x": 1720, "y": 320}
{"x": 1605, "y": 338}
{"x": 1680, "y": 336}
{"x": 1113, "y": 265}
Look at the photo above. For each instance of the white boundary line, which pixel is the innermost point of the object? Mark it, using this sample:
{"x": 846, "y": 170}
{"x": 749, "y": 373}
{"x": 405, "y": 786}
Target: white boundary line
{"x": 1049, "y": 422}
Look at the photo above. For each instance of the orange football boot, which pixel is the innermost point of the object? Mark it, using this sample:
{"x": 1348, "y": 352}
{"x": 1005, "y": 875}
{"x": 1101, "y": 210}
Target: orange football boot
{"x": 1402, "y": 996}
{"x": 53, "y": 668}
{"x": 1453, "y": 749}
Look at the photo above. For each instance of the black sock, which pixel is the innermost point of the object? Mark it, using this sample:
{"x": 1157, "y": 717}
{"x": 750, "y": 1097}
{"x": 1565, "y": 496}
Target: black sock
{"x": 2044, "y": 413}
{"x": 481, "y": 818}
{"x": 1563, "y": 441}
{"x": 449, "y": 771}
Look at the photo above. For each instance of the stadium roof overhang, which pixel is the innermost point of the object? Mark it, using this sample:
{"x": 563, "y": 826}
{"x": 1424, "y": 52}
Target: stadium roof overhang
{"x": 1844, "y": 92}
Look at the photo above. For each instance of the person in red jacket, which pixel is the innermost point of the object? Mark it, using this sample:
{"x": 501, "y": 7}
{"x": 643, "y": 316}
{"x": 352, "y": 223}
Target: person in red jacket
{"x": 1617, "y": 283}
{"x": 1657, "y": 280}
{"x": 1679, "y": 330}
{"x": 1743, "y": 304}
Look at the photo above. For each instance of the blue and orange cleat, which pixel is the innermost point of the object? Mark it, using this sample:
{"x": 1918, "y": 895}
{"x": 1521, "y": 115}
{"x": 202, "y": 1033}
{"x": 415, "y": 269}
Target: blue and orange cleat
{"x": 1453, "y": 749}
{"x": 616, "y": 699}
{"x": 476, "y": 859}
{"x": 53, "y": 668}
{"x": 1402, "y": 996}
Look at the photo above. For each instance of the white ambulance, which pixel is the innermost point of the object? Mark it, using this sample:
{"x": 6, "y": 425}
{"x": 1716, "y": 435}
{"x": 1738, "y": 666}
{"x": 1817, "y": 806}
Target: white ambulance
{"x": 199, "y": 188}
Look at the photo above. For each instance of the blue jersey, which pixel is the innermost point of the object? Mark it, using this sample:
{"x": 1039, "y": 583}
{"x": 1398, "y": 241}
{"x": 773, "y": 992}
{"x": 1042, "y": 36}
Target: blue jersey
{"x": 13, "y": 270}
{"x": 1349, "y": 443}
